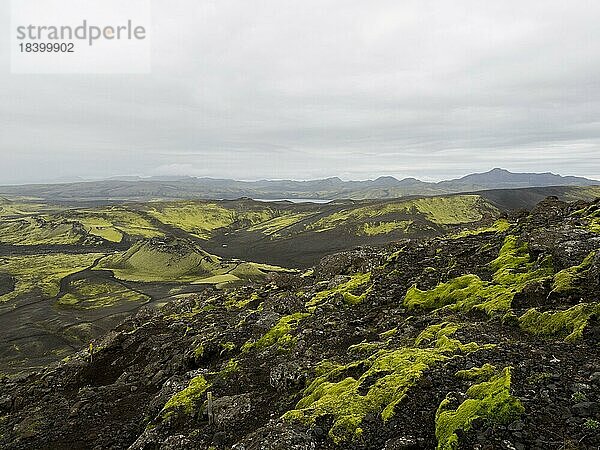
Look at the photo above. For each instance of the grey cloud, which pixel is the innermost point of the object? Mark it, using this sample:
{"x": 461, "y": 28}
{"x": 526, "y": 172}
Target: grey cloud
{"x": 314, "y": 88}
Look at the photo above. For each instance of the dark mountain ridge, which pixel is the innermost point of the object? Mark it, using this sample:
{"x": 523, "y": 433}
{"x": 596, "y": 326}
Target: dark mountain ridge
{"x": 128, "y": 188}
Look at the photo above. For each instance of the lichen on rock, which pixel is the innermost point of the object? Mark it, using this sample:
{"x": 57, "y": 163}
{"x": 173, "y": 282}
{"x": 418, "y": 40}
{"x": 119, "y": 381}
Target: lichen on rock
{"x": 278, "y": 334}
{"x": 348, "y": 291}
{"x": 187, "y": 400}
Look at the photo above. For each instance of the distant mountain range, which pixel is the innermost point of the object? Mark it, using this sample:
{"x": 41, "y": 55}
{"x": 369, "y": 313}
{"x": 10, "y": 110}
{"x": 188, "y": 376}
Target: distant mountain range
{"x": 138, "y": 188}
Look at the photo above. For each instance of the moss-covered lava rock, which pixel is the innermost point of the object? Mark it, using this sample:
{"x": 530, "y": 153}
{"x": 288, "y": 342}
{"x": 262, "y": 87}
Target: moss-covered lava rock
{"x": 485, "y": 338}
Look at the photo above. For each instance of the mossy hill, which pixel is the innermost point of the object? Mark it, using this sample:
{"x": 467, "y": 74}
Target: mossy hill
{"x": 486, "y": 338}
{"x": 51, "y": 302}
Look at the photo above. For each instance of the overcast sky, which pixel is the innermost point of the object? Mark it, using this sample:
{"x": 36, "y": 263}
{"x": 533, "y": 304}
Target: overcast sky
{"x": 303, "y": 89}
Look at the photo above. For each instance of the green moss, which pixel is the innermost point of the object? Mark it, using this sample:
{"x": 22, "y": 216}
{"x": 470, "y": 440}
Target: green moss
{"x": 388, "y": 334}
{"x": 570, "y": 322}
{"x": 41, "y": 231}
{"x": 376, "y": 228}
{"x": 393, "y": 257}
{"x": 227, "y": 346}
{"x": 279, "y": 334}
{"x": 450, "y": 210}
{"x": 42, "y": 272}
{"x": 111, "y": 223}
{"x": 286, "y": 342}
{"x": 146, "y": 261}
{"x": 387, "y": 375}
{"x": 512, "y": 267}
{"x": 199, "y": 351}
{"x": 233, "y": 302}
{"x": 484, "y": 372}
{"x": 308, "y": 273}
{"x": 512, "y": 255}
{"x": 90, "y": 294}
{"x": 230, "y": 367}
{"x": 434, "y": 332}
{"x": 187, "y": 400}
{"x": 273, "y": 226}
{"x": 456, "y": 291}
{"x": 453, "y": 210}
{"x": 190, "y": 315}
{"x": 568, "y": 280}
{"x": 203, "y": 218}
{"x": 592, "y": 215}
{"x": 539, "y": 377}
{"x": 490, "y": 401}
{"x": 512, "y": 272}
{"x": 499, "y": 226}
{"x": 181, "y": 261}
{"x": 346, "y": 290}
{"x": 365, "y": 348}
{"x": 463, "y": 293}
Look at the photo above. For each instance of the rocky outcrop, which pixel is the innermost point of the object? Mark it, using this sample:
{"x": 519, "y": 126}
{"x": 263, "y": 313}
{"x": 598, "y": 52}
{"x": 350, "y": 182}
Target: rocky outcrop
{"x": 485, "y": 340}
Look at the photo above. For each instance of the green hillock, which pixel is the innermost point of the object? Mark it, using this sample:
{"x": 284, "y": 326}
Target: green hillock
{"x": 38, "y": 231}
{"x": 112, "y": 223}
{"x": 16, "y": 209}
{"x": 451, "y": 210}
{"x": 202, "y": 218}
{"x": 199, "y": 219}
{"x": 161, "y": 261}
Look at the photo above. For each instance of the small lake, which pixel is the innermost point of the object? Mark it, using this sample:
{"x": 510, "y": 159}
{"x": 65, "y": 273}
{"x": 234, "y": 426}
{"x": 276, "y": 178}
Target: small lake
{"x": 293, "y": 200}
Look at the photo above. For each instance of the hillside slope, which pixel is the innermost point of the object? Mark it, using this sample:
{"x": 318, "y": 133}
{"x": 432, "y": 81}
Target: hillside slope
{"x": 485, "y": 339}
